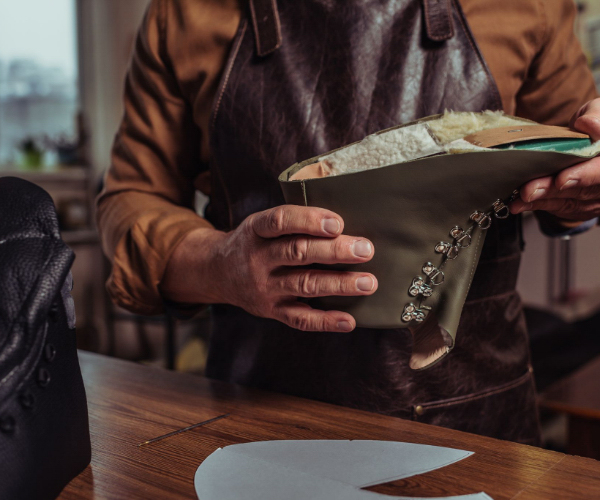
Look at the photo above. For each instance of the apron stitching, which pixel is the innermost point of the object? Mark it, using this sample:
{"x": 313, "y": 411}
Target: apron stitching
{"x": 230, "y": 65}
{"x": 256, "y": 30}
{"x": 277, "y": 23}
{"x": 256, "y": 34}
{"x": 480, "y": 395}
{"x": 229, "y": 70}
{"x": 448, "y": 33}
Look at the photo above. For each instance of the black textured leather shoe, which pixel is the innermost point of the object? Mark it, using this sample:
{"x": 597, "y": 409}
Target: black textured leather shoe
{"x": 44, "y": 431}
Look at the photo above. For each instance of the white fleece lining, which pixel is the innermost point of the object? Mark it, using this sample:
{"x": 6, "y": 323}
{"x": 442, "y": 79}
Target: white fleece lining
{"x": 378, "y": 150}
{"x": 442, "y": 135}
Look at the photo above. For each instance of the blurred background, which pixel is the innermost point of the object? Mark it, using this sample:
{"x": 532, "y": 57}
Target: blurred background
{"x": 62, "y": 66}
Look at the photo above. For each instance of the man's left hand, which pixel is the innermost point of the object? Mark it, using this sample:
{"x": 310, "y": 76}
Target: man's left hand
{"x": 574, "y": 194}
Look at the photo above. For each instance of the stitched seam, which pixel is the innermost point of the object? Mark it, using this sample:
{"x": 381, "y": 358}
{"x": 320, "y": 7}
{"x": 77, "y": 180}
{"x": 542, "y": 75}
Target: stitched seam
{"x": 449, "y": 33}
{"x": 275, "y": 22}
{"x": 426, "y": 9}
{"x": 228, "y": 74}
{"x": 467, "y": 399}
{"x": 31, "y": 295}
{"x": 256, "y": 30}
{"x": 448, "y": 23}
{"x": 19, "y": 237}
{"x": 230, "y": 65}
{"x": 277, "y": 25}
{"x": 488, "y": 74}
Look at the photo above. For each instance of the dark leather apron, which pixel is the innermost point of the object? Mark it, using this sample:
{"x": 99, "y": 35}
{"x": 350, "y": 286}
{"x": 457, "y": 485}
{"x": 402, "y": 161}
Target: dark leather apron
{"x": 307, "y": 77}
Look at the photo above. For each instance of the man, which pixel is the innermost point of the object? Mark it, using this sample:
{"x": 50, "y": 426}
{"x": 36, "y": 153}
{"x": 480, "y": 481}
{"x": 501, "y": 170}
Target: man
{"x": 222, "y": 96}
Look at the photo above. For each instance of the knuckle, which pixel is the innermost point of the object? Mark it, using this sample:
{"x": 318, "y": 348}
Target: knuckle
{"x": 276, "y": 220}
{"x": 307, "y": 284}
{"x": 249, "y": 223}
{"x": 298, "y": 250}
{"x": 301, "y": 322}
{"x": 254, "y": 226}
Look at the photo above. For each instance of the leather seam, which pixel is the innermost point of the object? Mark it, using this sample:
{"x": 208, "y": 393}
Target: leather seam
{"x": 232, "y": 58}
{"x": 228, "y": 73}
{"x": 255, "y": 24}
{"x": 480, "y": 395}
{"x": 257, "y": 37}
{"x": 20, "y": 237}
{"x": 42, "y": 279}
{"x": 277, "y": 26}
{"x": 444, "y": 35}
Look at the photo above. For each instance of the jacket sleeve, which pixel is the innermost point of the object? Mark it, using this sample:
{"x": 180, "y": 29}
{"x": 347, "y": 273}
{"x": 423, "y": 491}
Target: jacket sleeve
{"x": 147, "y": 205}
{"x": 558, "y": 81}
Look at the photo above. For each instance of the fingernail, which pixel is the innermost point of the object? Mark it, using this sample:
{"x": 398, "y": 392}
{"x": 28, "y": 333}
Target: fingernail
{"x": 331, "y": 226}
{"x": 362, "y": 248}
{"x": 569, "y": 184}
{"x": 345, "y": 326}
{"x": 365, "y": 284}
{"x": 537, "y": 194}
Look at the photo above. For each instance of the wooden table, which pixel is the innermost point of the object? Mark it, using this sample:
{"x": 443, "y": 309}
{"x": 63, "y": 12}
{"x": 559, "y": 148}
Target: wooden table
{"x": 129, "y": 404}
{"x": 578, "y": 396}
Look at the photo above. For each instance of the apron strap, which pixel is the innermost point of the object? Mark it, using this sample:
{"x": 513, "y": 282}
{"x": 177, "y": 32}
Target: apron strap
{"x": 267, "y": 29}
{"x": 438, "y": 19}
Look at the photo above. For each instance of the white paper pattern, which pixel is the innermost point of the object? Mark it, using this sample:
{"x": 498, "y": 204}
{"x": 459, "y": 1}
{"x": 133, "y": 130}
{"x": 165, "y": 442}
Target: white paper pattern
{"x": 317, "y": 470}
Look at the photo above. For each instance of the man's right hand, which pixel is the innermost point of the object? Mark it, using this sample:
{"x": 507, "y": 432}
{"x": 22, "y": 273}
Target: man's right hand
{"x": 260, "y": 267}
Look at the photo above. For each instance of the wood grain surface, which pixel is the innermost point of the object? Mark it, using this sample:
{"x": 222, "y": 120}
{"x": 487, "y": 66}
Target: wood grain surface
{"x": 129, "y": 404}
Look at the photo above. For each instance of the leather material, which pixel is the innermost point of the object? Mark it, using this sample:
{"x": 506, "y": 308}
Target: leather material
{"x": 438, "y": 19}
{"x": 44, "y": 432}
{"x": 267, "y": 30}
{"x": 345, "y": 70}
{"x": 405, "y": 210}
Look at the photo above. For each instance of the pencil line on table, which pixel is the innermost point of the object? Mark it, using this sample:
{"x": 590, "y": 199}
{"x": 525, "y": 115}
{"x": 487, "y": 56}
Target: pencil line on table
{"x": 179, "y": 431}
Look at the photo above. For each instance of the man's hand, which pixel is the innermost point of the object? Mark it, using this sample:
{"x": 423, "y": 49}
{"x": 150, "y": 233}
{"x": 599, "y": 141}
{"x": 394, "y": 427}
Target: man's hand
{"x": 574, "y": 194}
{"x": 260, "y": 267}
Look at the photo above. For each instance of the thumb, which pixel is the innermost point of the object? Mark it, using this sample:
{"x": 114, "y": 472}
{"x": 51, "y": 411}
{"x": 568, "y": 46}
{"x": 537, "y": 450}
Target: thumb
{"x": 587, "y": 119}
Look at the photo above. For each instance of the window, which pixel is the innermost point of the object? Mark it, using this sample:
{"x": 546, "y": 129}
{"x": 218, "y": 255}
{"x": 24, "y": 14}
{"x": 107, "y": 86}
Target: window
{"x": 39, "y": 99}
